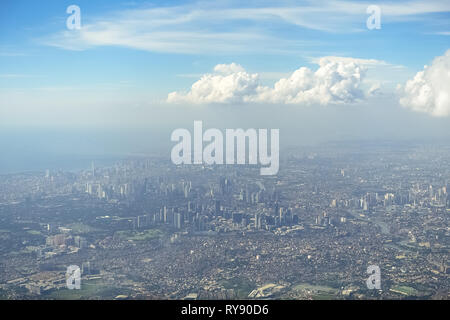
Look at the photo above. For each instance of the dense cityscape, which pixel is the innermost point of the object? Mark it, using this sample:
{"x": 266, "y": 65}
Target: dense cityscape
{"x": 148, "y": 229}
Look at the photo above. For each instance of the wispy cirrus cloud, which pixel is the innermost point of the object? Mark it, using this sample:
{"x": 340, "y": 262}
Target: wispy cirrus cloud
{"x": 222, "y": 28}
{"x": 9, "y": 51}
{"x": 16, "y": 76}
{"x": 182, "y": 29}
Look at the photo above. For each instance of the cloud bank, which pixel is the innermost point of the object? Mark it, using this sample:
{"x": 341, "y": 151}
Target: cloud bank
{"x": 337, "y": 80}
{"x": 429, "y": 90}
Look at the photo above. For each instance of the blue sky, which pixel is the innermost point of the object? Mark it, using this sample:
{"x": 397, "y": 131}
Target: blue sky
{"x": 129, "y": 56}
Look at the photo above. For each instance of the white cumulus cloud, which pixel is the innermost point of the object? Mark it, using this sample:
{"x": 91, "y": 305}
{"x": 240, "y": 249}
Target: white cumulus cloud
{"x": 229, "y": 68}
{"x": 337, "y": 80}
{"x": 429, "y": 90}
{"x": 230, "y": 84}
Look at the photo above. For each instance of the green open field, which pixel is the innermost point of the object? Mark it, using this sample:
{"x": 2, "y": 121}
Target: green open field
{"x": 91, "y": 289}
{"x": 405, "y": 290}
{"x": 81, "y": 228}
{"x": 242, "y": 287}
{"x": 320, "y": 292}
{"x": 139, "y": 236}
{"x": 34, "y": 232}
